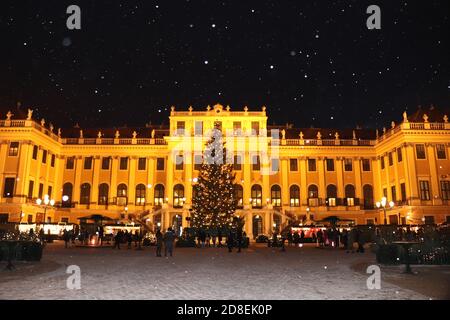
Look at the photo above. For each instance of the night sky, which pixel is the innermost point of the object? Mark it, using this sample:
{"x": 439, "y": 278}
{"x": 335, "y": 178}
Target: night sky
{"x": 312, "y": 63}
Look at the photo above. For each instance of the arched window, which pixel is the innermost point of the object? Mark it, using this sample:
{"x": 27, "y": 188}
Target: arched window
{"x": 331, "y": 195}
{"x": 239, "y": 195}
{"x": 178, "y": 196}
{"x": 159, "y": 195}
{"x": 313, "y": 192}
{"x": 294, "y": 194}
{"x": 103, "y": 190}
{"x": 256, "y": 196}
{"x": 275, "y": 194}
{"x": 85, "y": 193}
{"x": 67, "y": 191}
{"x": 368, "y": 196}
{"x": 350, "y": 195}
{"x": 140, "y": 195}
{"x": 122, "y": 198}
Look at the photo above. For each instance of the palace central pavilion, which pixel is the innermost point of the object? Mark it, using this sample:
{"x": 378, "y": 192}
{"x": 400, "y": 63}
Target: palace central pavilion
{"x": 282, "y": 173}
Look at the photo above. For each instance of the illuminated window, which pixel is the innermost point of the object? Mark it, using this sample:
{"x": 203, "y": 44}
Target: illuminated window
{"x": 256, "y": 195}
{"x": 159, "y": 195}
{"x": 140, "y": 195}
{"x": 275, "y": 194}
{"x": 294, "y": 194}
{"x": 13, "y": 149}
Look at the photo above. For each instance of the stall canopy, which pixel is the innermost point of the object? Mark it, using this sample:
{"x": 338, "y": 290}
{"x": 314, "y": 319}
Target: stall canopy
{"x": 96, "y": 218}
{"x": 333, "y": 220}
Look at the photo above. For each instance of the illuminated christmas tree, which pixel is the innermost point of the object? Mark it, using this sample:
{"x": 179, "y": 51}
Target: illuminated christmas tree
{"x": 214, "y": 202}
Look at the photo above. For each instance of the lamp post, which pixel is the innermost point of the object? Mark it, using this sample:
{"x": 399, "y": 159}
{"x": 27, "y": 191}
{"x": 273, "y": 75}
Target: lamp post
{"x": 47, "y": 203}
{"x": 385, "y": 205}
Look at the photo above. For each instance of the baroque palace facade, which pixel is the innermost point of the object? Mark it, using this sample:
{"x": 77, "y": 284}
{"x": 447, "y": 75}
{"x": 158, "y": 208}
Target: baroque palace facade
{"x": 282, "y": 173}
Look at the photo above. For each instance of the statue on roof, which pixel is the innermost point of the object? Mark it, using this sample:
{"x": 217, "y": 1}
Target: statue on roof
{"x": 117, "y": 134}
{"x": 392, "y": 124}
{"x": 445, "y": 118}
{"x": 134, "y": 134}
{"x": 425, "y": 117}
{"x": 9, "y": 115}
{"x": 81, "y": 133}
{"x": 301, "y": 135}
{"x": 30, "y": 114}
{"x": 336, "y": 136}
{"x": 59, "y": 132}
{"x": 51, "y": 127}
{"x": 405, "y": 116}
{"x": 319, "y": 135}
{"x": 99, "y": 135}
{"x": 354, "y": 135}
{"x": 42, "y": 122}
{"x": 283, "y": 134}
{"x": 153, "y": 134}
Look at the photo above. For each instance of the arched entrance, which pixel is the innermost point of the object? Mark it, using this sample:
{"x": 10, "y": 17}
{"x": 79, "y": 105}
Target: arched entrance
{"x": 257, "y": 226}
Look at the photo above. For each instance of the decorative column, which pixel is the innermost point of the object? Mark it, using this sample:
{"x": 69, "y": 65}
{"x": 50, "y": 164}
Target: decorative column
{"x": 303, "y": 183}
{"x": 77, "y": 184}
{"x": 358, "y": 183}
{"x": 151, "y": 170}
{"x": 38, "y": 173}
{"x": 95, "y": 180}
{"x": 340, "y": 178}
{"x": 188, "y": 177}
{"x": 169, "y": 182}
{"x": 247, "y": 179}
{"x": 59, "y": 175}
{"x": 376, "y": 170}
{"x": 410, "y": 174}
{"x": 131, "y": 181}
{"x": 3, "y": 152}
{"x": 322, "y": 182}
{"x": 388, "y": 176}
{"x": 431, "y": 156}
{"x": 113, "y": 185}
{"x": 284, "y": 182}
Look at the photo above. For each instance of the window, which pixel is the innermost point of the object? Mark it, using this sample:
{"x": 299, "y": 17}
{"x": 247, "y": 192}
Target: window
{"x": 178, "y": 196}
{"x": 403, "y": 191}
{"x": 8, "y": 191}
{"x": 382, "y": 162}
{"x": 67, "y": 191}
{"x": 142, "y": 163}
{"x": 159, "y": 195}
{"x": 331, "y": 195}
{"x": 140, "y": 194}
{"x": 256, "y": 163}
{"x": 70, "y": 163}
{"x": 88, "y": 163}
{"x": 237, "y": 165}
{"x": 348, "y": 165}
{"x": 256, "y": 196}
{"x": 440, "y": 149}
{"x": 368, "y": 196}
{"x": 293, "y": 164}
{"x": 313, "y": 192}
{"x": 198, "y": 160}
{"x": 445, "y": 190}
{"x": 198, "y": 128}
{"x": 366, "y": 164}
{"x": 330, "y": 164}
{"x": 275, "y": 163}
{"x": 123, "y": 163}
{"x": 106, "y": 163}
{"x": 103, "y": 191}
{"x": 294, "y": 194}
{"x": 41, "y": 190}
{"x": 311, "y": 164}
{"x": 239, "y": 195}
{"x": 52, "y": 161}
{"x": 44, "y": 156}
{"x": 420, "y": 151}
{"x": 35, "y": 152}
{"x": 180, "y": 127}
{"x": 49, "y": 191}
{"x": 122, "y": 194}
{"x": 391, "y": 161}
{"x": 160, "y": 164}
{"x": 64, "y": 220}
{"x": 4, "y": 217}
{"x": 399, "y": 155}
{"x": 255, "y": 128}
{"x": 394, "y": 193}
{"x": 179, "y": 162}
{"x": 237, "y": 127}
{"x": 424, "y": 190}
{"x": 275, "y": 194}
{"x": 30, "y": 189}
{"x": 13, "y": 149}
{"x": 350, "y": 195}
{"x": 85, "y": 193}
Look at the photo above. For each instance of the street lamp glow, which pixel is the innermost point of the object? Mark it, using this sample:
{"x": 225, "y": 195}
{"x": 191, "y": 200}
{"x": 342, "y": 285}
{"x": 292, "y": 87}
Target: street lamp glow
{"x": 65, "y": 198}
{"x": 149, "y": 185}
{"x": 378, "y": 204}
{"x": 391, "y": 204}
{"x": 52, "y": 202}
{"x": 38, "y": 202}
{"x": 383, "y": 201}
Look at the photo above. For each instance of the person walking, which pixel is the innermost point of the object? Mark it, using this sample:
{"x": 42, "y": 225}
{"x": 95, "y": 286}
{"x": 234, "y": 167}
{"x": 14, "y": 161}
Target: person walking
{"x": 129, "y": 238}
{"x": 159, "y": 242}
{"x": 214, "y": 238}
{"x": 100, "y": 235}
{"x": 361, "y": 241}
{"x": 320, "y": 237}
{"x": 239, "y": 239}
{"x": 350, "y": 240}
{"x": 117, "y": 239}
{"x": 230, "y": 240}
{"x": 169, "y": 238}
{"x": 66, "y": 238}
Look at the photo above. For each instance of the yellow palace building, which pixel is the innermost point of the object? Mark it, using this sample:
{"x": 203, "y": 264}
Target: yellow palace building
{"x": 283, "y": 174}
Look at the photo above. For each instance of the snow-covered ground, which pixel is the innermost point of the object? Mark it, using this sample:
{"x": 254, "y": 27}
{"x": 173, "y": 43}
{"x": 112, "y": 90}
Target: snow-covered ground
{"x": 210, "y": 273}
